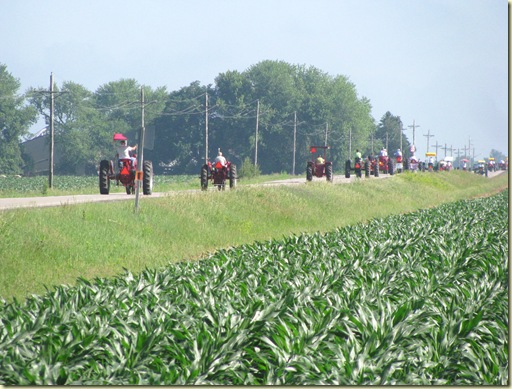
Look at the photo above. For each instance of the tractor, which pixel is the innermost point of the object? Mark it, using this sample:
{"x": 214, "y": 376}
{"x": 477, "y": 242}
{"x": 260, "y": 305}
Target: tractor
{"x": 218, "y": 174}
{"x": 124, "y": 171}
{"x": 319, "y": 167}
{"x": 370, "y": 167}
{"x": 386, "y": 165}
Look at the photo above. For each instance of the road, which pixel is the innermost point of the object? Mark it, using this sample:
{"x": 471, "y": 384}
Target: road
{"x": 52, "y": 201}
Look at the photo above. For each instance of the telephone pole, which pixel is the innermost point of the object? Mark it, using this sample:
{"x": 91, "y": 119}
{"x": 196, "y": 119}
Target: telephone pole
{"x": 428, "y": 139}
{"x": 437, "y": 146}
{"x": 326, "y": 130}
{"x": 256, "y": 145}
{"x": 294, "y": 140}
{"x": 414, "y": 125}
{"x": 206, "y": 128}
{"x": 52, "y": 132}
{"x": 140, "y": 154}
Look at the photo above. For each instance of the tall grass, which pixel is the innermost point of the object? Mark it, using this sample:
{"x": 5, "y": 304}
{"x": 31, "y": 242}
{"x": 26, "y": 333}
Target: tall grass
{"x": 44, "y": 247}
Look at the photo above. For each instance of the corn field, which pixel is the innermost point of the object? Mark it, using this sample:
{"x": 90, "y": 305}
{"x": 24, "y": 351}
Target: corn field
{"x": 412, "y": 299}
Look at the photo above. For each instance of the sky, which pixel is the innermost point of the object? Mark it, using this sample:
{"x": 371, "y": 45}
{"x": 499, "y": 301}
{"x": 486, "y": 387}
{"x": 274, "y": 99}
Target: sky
{"x": 441, "y": 65}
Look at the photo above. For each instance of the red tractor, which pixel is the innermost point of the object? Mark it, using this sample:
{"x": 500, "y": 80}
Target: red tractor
{"x": 386, "y": 165}
{"x": 369, "y": 166}
{"x": 218, "y": 173}
{"x": 124, "y": 172}
{"x": 319, "y": 167}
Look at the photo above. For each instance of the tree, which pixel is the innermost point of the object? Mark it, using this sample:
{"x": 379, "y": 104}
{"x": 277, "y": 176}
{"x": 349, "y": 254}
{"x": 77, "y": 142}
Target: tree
{"x": 388, "y": 134}
{"x": 15, "y": 120}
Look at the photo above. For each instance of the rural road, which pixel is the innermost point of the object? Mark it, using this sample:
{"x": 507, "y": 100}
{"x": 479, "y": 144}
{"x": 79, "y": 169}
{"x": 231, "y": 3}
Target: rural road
{"x": 52, "y": 201}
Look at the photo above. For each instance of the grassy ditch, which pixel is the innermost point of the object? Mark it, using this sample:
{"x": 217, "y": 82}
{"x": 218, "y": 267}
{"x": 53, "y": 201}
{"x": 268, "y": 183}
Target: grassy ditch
{"x": 418, "y": 298}
{"x": 51, "y": 246}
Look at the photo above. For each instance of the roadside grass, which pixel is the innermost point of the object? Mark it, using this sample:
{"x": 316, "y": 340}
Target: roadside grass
{"x": 46, "y": 247}
{"x": 12, "y": 187}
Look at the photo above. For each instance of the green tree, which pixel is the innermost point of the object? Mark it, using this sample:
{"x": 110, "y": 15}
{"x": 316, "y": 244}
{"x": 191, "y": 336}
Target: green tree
{"x": 180, "y": 131}
{"x": 388, "y": 133}
{"x": 15, "y": 120}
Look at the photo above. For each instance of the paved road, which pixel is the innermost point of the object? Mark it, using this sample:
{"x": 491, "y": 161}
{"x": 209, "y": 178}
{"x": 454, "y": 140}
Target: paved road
{"x": 52, "y": 201}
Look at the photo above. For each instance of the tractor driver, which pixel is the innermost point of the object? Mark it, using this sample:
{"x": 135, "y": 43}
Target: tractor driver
{"x": 220, "y": 158}
{"x": 123, "y": 152}
{"x": 320, "y": 160}
{"x": 358, "y": 155}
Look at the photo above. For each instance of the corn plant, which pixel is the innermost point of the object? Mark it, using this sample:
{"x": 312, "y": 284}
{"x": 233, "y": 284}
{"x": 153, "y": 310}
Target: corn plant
{"x": 412, "y": 299}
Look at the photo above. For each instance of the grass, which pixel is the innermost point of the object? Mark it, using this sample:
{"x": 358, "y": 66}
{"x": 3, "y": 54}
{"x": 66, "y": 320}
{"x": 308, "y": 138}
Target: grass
{"x": 45, "y": 247}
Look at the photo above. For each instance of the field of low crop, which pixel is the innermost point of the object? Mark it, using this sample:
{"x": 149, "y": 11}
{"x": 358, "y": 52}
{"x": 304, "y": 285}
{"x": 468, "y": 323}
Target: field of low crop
{"x": 418, "y": 299}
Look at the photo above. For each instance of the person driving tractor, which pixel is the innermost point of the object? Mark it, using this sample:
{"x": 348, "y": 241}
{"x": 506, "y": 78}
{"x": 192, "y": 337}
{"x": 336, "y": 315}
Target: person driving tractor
{"x": 319, "y": 159}
{"x": 220, "y": 158}
{"x": 358, "y": 154}
{"x": 123, "y": 152}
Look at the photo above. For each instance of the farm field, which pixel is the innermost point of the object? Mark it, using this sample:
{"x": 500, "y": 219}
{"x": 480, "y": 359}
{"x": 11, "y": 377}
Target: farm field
{"x": 398, "y": 281}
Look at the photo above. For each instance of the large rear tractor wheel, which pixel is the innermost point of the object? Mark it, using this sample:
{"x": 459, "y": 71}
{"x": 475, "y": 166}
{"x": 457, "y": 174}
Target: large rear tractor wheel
{"x": 232, "y": 176}
{"x": 347, "y": 169}
{"x": 147, "y": 178}
{"x": 391, "y": 167}
{"x": 328, "y": 172}
{"x": 309, "y": 172}
{"x": 104, "y": 179}
{"x": 204, "y": 177}
{"x": 376, "y": 170}
{"x": 367, "y": 169}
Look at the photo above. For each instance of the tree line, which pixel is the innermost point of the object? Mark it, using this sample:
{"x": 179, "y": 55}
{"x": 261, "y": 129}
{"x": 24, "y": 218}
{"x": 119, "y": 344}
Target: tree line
{"x": 287, "y": 107}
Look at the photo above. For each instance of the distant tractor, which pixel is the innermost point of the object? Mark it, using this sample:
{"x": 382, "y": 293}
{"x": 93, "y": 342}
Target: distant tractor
{"x": 386, "y": 165}
{"x": 218, "y": 173}
{"x": 124, "y": 171}
{"x": 319, "y": 167}
{"x": 369, "y": 166}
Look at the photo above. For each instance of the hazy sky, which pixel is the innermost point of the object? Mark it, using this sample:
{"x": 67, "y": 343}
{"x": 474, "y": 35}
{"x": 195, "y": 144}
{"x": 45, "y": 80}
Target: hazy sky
{"x": 440, "y": 63}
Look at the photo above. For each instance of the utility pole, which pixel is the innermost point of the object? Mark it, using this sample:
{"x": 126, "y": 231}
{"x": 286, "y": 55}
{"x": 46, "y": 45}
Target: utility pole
{"x": 437, "y": 146}
{"x": 387, "y": 140}
{"x": 414, "y": 125}
{"x": 52, "y": 132}
{"x": 326, "y": 130}
{"x": 206, "y": 128}
{"x": 428, "y": 139}
{"x": 350, "y": 143}
{"x": 294, "y": 140}
{"x": 458, "y": 158}
{"x": 256, "y": 145}
{"x": 140, "y": 154}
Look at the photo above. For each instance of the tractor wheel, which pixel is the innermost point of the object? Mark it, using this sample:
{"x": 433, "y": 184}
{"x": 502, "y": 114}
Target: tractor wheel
{"x": 104, "y": 178}
{"x": 129, "y": 189}
{"x": 347, "y": 169}
{"x": 406, "y": 164}
{"x": 391, "y": 167}
{"x": 204, "y": 177}
{"x": 147, "y": 178}
{"x": 376, "y": 170}
{"x": 366, "y": 169}
{"x": 309, "y": 172}
{"x": 232, "y": 176}
{"x": 328, "y": 172}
